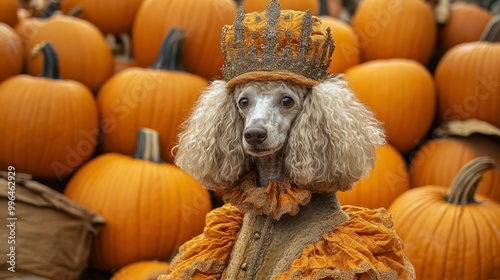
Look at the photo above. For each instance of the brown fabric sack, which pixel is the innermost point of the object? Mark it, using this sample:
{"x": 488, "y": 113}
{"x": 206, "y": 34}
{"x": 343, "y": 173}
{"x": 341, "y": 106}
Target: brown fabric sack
{"x": 53, "y": 234}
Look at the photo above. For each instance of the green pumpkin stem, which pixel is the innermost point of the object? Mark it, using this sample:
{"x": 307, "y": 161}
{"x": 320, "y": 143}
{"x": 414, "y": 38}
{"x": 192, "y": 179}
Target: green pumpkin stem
{"x": 148, "y": 145}
{"x": 50, "y": 60}
{"x": 53, "y": 6}
{"x": 464, "y": 185}
{"x": 170, "y": 55}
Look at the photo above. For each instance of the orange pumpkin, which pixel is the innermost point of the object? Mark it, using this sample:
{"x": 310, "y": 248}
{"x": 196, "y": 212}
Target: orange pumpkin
{"x": 150, "y": 207}
{"x": 49, "y": 126}
{"x": 83, "y": 52}
{"x": 451, "y": 233}
{"x": 395, "y": 29}
{"x": 438, "y": 161}
{"x": 302, "y": 5}
{"x": 159, "y": 98}
{"x": 401, "y": 93}
{"x": 109, "y": 16}
{"x": 466, "y": 23}
{"x": 388, "y": 179}
{"x": 11, "y": 52}
{"x": 347, "y": 53}
{"x": 145, "y": 270}
{"x": 202, "y": 20}
{"x": 8, "y": 12}
{"x": 468, "y": 83}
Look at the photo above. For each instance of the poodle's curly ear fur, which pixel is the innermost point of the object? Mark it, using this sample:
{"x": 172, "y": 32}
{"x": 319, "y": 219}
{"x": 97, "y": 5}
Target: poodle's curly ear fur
{"x": 332, "y": 143}
{"x": 210, "y": 144}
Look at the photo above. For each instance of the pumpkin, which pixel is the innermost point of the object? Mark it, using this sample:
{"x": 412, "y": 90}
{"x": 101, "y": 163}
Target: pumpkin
{"x": 11, "y": 52}
{"x": 159, "y": 98}
{"x": 109, "y": 16}
{"x": 83, "y": 52}
{"x": 347, "y": 53}
{"x": 8, "y": 12}
{"x": 451, "y": 233}
{"x": 438, "y": 161}
{"x": 144, "y": 270}
{"x": 302, "y": 5}
{"x": 388, "y": 179}
{"x": 49, "y": 126}
{"x": 202, "y": 21}
{"x": 402, "y": 95}
{"x": 395, "y": 29}
{"x": 468, "y": 83}
{"x": 150, "y": 207}
{"x": 466, "y": 23}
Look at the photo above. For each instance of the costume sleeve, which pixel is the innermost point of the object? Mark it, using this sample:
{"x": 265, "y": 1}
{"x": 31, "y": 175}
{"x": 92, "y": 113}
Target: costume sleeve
{"x": 364, "y": 247}
{"x": 205, "y": 256}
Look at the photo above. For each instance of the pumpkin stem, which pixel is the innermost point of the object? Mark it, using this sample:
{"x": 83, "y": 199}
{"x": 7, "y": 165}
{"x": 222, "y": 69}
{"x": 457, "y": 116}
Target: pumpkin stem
{"x": 323, "y": 8}
{"x": 465, "y": 183}
{"x": 148, "y": 145}
{"x": 492, "y": 31}
{"x": 53, "y": 6}
{"x": 127, "y": 45}
{"x": 170, "y": 55}
{"x": 75, "y": 12}
{"x": 50, "y": 62}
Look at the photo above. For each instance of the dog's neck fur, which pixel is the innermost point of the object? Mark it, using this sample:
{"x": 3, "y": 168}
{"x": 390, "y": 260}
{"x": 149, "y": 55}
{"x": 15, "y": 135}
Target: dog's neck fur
{"x": 270, "y": 168}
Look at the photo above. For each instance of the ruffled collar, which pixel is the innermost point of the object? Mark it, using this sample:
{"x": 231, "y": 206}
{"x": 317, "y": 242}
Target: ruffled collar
{"x": 275, "y": 200}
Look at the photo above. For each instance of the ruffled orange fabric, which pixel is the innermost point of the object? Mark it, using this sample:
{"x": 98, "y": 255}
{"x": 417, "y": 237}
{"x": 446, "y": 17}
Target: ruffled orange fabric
{"x": 277, "y": 199}
{"x": 364, "y": 247}
{"x": 205, "y": 256}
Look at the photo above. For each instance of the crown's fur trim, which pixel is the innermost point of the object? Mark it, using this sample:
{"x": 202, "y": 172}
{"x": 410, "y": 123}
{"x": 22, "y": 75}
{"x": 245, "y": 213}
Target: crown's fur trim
{"x": 271, "y": 76}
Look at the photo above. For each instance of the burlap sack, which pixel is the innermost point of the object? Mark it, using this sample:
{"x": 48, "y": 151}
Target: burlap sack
{"x": 53, "y": 234}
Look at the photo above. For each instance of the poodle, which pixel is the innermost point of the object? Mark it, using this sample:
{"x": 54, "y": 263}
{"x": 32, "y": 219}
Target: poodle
{"x": 311, "y": 142}
{"x": 279, "y": 136}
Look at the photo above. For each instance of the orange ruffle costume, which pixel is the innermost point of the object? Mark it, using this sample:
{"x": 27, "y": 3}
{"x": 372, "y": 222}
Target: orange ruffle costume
{"x": 363, "y": 247}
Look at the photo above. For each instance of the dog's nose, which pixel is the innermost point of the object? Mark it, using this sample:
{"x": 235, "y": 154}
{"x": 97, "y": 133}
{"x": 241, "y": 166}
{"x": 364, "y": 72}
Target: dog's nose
{"x": 255, "y": 136}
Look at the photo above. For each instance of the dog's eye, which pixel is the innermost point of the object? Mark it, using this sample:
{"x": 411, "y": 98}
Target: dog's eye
{"x": 243, "y": 103}
{"x": 287, "y": 102}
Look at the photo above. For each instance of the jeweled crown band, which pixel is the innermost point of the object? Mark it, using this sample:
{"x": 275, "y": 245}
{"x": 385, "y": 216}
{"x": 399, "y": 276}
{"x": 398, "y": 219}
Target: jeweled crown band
{"x": 275, "y": 40}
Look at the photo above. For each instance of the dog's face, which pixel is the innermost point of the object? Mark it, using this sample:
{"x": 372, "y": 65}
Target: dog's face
{"x": 267, "y": 109}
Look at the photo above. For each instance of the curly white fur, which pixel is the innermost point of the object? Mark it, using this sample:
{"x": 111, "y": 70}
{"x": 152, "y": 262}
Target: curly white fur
{"x": 331, "y": 144}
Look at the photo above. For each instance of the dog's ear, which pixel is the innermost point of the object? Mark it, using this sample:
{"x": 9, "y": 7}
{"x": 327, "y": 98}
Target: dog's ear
{"x": 332, "y": 143}
{"x": 210, "y": 146}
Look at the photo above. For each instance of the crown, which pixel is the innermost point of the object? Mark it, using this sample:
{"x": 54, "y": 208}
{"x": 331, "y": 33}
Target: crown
{"x": 275, "y": 44}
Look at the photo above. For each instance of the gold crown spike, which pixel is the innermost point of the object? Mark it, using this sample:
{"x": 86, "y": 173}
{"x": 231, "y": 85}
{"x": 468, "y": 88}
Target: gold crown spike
{"x": 271, "y": 29}
{"x": 275, "y": 44}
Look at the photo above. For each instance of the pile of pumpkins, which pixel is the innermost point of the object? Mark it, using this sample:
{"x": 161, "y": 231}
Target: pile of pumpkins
{"x": 435, "y": 88}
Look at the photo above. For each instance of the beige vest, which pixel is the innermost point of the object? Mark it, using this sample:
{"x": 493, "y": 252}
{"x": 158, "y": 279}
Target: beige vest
{"x": 265, "y": 247}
